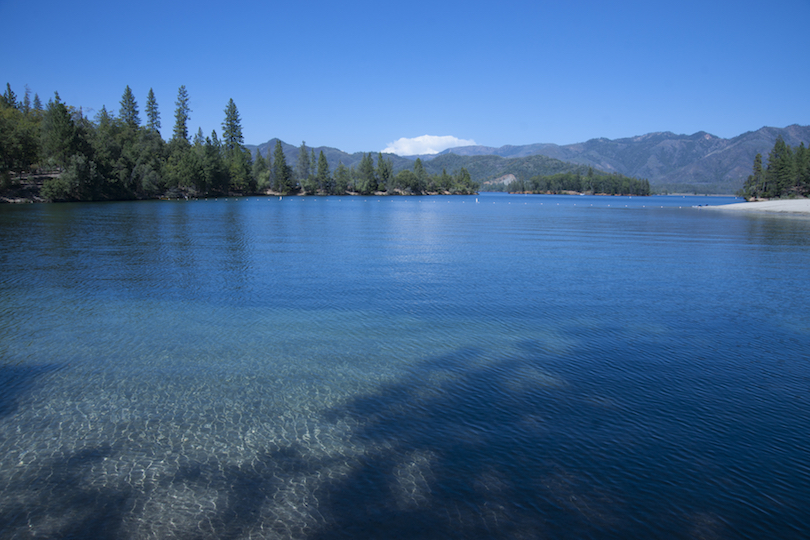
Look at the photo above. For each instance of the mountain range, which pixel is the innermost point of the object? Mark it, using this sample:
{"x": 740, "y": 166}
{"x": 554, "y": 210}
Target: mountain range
{"x": 701, "y": 162}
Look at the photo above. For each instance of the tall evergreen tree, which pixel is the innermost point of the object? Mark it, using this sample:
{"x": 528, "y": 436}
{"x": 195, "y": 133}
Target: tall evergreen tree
{"x": 385, "y": 172}
{"x": 421, "y": 175}
{"x": 367, "y": 181}
{"x": 322, "y": 175}
{"x": 199, "y": 140}
{"x": 282, "y": 180}
{"x": 9, "y": 98}
{"x": 237, "y": 157}
{"x": 302, "y": 171}
{"x": 232, "y": 129}
{"x": 152, "y": 113}
{"x": 803, "y": 168}
{"x": 129, "y": 109}
{"x": 342, "y": 179}
{"x": 214, "y": 168}
{"x": 58, "y": 133}
{"x": 779, "y": 174}
{"x": 37, "y": 103}
{"x": 26, "y": 102}
{"x": 260, "y": 172}
{"x": 181, "y": 112}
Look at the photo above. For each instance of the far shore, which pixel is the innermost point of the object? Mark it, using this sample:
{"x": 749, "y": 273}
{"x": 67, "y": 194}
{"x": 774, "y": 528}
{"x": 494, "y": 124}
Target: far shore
{"x": 782, "y": 206}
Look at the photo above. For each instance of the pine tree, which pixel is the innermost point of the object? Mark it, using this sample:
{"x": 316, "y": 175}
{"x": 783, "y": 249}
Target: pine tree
{"x": 260, "y": 172}
{"x": 421, "y": 176}
{"x": 385, "y": 172}
{"x": 302, "y": 171}
{"x": 342, "y": 179}
{"x": 282, "y": 181}
{"x": 755, "y": 185}
{"x": 152, "y": 113}
{"x": 237, "y": 158}
{"x": 445, "y": 181}
{"x": 214, "y": 169}
{"x": 26, "y": 102}
{"x": 367, "y": 181}
{"x": 803, "y": 168}
{"x": 129, "y": 109}
{"x": 779, "y": 174}
{"x": 9, "y": 98}
{"x": 232, "y": 129}
{"x": 181, "y": 112}
{"x": 37, "y": 103}
{"x": 322, "y": 175}
{"x": 58, "y": 132}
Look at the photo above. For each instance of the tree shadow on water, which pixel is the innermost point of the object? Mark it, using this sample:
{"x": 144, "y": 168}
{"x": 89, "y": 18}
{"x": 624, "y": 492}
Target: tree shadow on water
{"x": 60, "y": 504}
{"x": 15, "y": 381}
{"x": 462, "y": 448}
{"x": 465, "y": 445}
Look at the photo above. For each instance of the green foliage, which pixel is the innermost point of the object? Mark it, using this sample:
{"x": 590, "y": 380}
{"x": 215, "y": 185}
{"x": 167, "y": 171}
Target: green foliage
{"x": 419, "y": 181}
{"x": 282, "y": 175}
{"x": 181, "y": 112}
{"x": 322, "y": 178}
{"x": 302, "y": 170}
{"x": 237, "y": 158}
{"x": 80, "y": 181}
{"x": 232, "y": 129}
{"x": 59, "y": 134}
{"x": 152, "y": 113}
{"x": 385, "y": 172}
{"x": 366, "y": 177}
{"x": 9, "y": 98}
{"x": 129, "y": 109}
{"x": 215, "y": 172}
{"x": 597, "y": 184}
{"x": 342, "y": 179}
{"x": 261, "y": 173}
{"x": 19, "y": 140}
{"x": 786, "y": 175}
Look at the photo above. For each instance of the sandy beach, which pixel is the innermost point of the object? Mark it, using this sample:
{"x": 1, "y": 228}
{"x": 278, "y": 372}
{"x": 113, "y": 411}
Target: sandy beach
{"x": 786, "y": 206}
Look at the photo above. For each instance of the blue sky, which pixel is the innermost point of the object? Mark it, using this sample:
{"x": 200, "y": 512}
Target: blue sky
{"x": 360, "y": 76}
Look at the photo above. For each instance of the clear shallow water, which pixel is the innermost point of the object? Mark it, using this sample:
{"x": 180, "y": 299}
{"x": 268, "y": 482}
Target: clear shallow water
{"x": 496, "y": 366}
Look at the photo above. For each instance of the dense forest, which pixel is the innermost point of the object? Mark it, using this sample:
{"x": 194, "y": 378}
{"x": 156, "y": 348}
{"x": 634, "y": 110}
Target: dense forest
{"x": 786, "y": 175}
{"x": 115, "y": 157}
{"x": 593, "y": 182}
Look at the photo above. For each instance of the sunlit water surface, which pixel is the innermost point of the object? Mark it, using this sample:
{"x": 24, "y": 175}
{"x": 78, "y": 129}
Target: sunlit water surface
{"x": 495, "y": 366}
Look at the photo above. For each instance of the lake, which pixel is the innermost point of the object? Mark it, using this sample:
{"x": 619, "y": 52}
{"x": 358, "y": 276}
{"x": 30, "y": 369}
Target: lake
{"x": 490, "y": 366}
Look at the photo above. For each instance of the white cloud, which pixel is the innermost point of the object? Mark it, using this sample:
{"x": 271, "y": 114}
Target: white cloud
{"x": 426, "y": 144}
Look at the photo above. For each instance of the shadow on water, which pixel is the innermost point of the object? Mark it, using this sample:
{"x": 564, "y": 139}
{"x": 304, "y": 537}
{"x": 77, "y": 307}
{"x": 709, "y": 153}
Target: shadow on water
{"x": 62, "y": 504}
{"x": 17, "y": 380}
{"x": 464, "y": 446}
{"x": 457, "y": 459}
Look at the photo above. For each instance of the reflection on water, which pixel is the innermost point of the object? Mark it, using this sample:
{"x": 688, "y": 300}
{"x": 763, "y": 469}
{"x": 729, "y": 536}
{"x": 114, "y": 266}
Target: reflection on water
{"x": 402, "y": 367}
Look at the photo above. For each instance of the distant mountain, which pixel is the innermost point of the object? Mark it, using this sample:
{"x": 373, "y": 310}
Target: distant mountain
{"x": 700, "y": 162}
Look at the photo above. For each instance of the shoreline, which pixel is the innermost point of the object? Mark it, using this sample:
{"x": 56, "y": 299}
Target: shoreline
{"x": 781, "y": 206}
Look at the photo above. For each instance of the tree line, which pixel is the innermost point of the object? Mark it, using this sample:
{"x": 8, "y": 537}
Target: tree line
{"x": 116, "y": 157}
{"x": 787, "y": 174}
{"x": 574, "y": 182}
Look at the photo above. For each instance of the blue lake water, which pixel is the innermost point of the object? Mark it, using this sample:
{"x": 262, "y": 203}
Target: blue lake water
{"x": 493, "y": 366}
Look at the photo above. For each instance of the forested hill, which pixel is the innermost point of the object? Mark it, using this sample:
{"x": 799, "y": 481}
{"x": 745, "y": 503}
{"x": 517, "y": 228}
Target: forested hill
{"x": 482, "y": 168}
{"x": 699, "y": 162}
